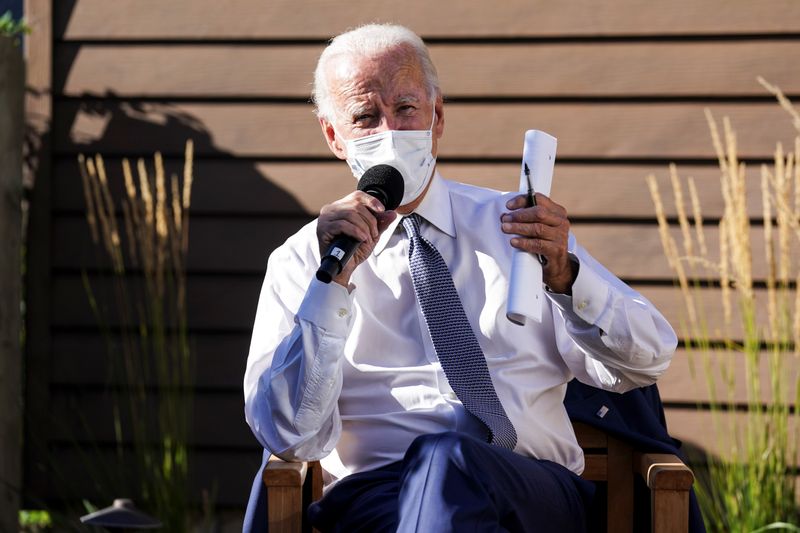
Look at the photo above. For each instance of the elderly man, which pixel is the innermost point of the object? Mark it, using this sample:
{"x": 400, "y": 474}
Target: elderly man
{"x": 429, "y": 410}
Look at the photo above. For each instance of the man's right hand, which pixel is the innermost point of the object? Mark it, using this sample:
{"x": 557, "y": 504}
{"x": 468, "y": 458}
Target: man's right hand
{"x": 357, "y": 215}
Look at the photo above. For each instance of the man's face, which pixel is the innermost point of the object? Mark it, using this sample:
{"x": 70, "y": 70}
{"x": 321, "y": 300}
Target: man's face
{"x": 371, "y": 95}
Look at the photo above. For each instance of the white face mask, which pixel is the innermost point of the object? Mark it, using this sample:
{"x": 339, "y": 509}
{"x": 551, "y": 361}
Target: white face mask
{"x": 409, "y": 151}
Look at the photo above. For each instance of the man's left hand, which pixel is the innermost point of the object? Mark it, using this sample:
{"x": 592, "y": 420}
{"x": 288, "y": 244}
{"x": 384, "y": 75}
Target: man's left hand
{"x": 544, "y": 230}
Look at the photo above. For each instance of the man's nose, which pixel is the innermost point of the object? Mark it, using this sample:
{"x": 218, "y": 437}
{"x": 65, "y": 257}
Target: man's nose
{"x": 388, "y": 122}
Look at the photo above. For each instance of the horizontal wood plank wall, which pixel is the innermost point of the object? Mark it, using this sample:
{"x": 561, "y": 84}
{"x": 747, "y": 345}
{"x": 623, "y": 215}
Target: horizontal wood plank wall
{"x": 281, "y": 19}
{"x": 469, "y": 70}
{"x": 623, "y": 85}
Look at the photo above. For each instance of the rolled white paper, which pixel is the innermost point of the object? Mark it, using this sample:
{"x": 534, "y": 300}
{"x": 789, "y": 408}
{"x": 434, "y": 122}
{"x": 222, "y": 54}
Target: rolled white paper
{"x": 525, "y": 288}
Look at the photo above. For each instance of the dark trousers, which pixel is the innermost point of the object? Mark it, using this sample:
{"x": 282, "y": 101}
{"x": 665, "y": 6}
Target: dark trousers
{"x": 452, "y": 482}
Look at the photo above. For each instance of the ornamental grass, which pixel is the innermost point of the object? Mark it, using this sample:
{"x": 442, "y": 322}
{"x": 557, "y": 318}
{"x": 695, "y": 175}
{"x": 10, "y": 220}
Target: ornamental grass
{"x": 740, "y": 309}
{"x": 144, "y": 323}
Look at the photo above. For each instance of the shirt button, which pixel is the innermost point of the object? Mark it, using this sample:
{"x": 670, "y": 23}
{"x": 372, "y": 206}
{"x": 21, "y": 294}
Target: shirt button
{"x": 342, "y": 312}
{"x": 582, "y": 305}
{"x": 452, "y": 396}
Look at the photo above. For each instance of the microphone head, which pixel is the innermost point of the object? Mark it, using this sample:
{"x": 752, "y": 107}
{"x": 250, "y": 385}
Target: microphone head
{"x": 385, "y": 183}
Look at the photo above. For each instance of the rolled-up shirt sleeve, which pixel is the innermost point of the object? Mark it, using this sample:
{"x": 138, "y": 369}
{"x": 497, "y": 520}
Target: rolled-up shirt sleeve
{"x": 612, "y": 336}
{"x": 294, "y": 367}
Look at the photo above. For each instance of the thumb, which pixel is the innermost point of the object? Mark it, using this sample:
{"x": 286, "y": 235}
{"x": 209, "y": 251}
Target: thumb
{"x": 384, "y": 219}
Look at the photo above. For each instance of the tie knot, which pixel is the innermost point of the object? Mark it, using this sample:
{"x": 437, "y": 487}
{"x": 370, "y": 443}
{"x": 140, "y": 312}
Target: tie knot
{"x": 411, "y": 225}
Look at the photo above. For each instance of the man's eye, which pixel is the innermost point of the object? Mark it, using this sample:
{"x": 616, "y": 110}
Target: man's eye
{"x": 363, "y": 118}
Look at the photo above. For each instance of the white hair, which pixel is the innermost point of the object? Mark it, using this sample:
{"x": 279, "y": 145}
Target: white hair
{"x": 370, "y": 40}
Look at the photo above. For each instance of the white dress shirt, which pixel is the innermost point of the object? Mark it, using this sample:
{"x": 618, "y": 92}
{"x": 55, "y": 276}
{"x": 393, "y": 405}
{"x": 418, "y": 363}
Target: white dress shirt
{"x": 350, "y": 376}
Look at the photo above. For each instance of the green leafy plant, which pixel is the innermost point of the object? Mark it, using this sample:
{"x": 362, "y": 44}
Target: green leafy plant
{"x": 750, "y": 484}
{"x": 34, "y": 521}
{"x": 13, "y": 28}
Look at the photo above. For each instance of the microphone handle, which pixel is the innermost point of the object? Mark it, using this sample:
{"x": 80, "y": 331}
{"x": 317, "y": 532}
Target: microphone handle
{"x": 339, "y": 253}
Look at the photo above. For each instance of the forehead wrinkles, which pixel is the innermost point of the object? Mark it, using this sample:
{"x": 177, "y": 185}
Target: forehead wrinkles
{"x": 392, "y": 76}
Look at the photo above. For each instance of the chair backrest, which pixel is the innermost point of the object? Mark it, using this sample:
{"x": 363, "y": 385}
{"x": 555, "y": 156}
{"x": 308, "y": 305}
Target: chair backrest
{"x": 609, "y": 460}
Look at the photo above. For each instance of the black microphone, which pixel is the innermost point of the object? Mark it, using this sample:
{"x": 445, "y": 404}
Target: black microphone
{"x": 383, "y": 182}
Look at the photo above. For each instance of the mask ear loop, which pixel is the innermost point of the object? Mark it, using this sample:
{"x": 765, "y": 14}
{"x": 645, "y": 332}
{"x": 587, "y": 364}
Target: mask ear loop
{"x": 433, "y": 119}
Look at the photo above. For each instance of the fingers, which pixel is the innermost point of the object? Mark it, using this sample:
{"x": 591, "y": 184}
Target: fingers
{"x": 541, "y": 247}
{"x": 517, "y": 202}
{"x": 542, "y": 229}
{"x": 357, "y": 215}
{"x": 546, "y": 220}
{"x": 385, "y": 219}
{"x": 545, "y": 210}
{"x": 353, "y": 215}
{"x": 345, "y": 227}
{"x": 536, "y": 230}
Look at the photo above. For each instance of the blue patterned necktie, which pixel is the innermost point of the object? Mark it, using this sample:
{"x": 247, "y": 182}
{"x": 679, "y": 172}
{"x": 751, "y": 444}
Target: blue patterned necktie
{"x": 453, "y": 339}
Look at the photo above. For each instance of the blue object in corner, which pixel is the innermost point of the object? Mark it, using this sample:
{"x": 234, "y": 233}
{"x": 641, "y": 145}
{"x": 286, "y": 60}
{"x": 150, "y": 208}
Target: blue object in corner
{"x": 636, "y": 417}
{"x": 255, "y": 519}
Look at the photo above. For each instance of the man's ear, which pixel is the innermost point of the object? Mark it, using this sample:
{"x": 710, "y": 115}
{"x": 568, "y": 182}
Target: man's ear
{"x": 334, "y": 141}
{"x": 438, "y": 126}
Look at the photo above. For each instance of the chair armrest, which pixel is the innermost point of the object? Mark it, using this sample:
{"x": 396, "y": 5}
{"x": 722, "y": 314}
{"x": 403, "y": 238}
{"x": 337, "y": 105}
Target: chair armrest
{"x": 291, "y": 487}
{"x": 280, "y": 473}
{"x": 663, "y": 471}
{"x": 669, "y": 480}
{"x": 284, "y": 484}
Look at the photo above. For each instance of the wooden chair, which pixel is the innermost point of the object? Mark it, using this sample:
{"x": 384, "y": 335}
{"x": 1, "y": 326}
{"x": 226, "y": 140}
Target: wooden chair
{"x": 292, "y": 486}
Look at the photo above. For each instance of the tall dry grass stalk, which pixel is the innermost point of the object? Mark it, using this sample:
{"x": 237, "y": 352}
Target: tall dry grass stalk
{"x": 148, "y": 344}
{"x": 752, "y": 484}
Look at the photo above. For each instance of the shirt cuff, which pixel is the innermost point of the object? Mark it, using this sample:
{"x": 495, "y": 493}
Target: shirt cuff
{"x": 589, "y": 296}
{"x": 328, "y": 306}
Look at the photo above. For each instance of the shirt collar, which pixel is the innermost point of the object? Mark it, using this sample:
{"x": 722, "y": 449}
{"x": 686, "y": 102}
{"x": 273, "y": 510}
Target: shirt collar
{"x": 435, "y": 208}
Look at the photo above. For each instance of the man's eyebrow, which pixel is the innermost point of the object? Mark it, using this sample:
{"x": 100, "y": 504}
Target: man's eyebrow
{"x": 407, "y": 99}
{"x": 355, "y": 109}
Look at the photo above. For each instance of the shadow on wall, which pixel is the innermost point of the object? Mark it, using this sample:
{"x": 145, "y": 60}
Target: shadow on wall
{"x": 114, "y": 127}
{"x": 237, "y": 217}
